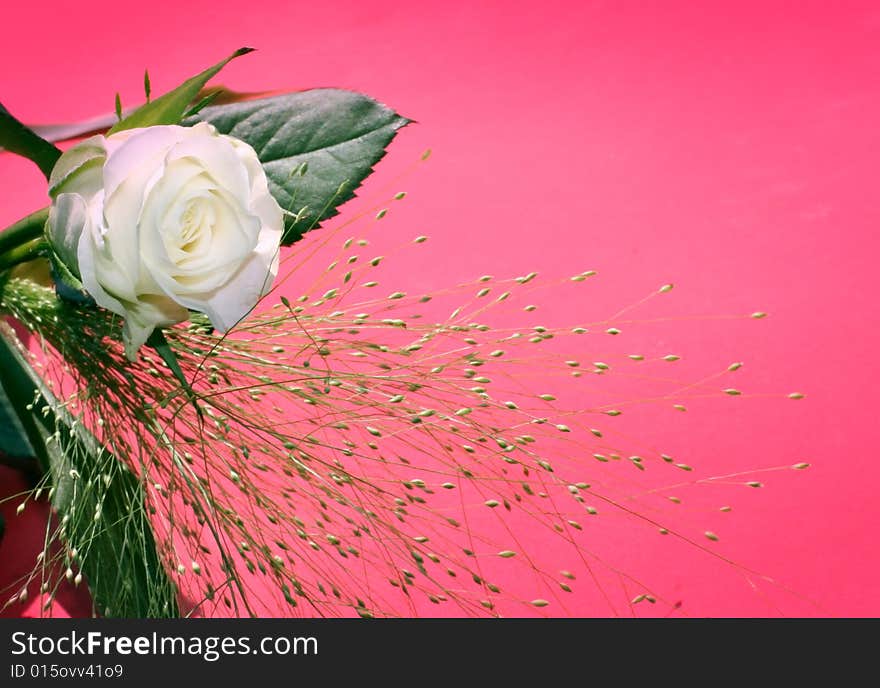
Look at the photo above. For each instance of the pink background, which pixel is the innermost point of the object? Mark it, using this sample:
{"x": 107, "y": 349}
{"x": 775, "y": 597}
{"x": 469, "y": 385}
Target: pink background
{"x": 730, "y": 148}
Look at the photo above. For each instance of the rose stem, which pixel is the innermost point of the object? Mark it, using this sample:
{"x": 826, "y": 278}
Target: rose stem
{"x": 25, "y": 230}
{"x": 23, "y": 253}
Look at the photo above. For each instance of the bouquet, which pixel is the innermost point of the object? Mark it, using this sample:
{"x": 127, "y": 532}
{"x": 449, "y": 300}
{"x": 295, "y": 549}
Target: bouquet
{"x": 230, "y": 417}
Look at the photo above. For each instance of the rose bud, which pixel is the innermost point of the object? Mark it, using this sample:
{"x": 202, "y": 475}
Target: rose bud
{"x": 161, "y": 220}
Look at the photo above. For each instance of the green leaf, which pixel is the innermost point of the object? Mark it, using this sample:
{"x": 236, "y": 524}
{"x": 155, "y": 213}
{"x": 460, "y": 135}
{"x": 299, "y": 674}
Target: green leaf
{"x": 170, "y": 108}
{"x": 101, "y": 501}
{"x": 17, "y": 138}
{"x": 13, "y": 439}
{"x": 316, "y": 146}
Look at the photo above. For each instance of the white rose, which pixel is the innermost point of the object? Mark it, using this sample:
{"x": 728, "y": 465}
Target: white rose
{"x": 159, "y": 220}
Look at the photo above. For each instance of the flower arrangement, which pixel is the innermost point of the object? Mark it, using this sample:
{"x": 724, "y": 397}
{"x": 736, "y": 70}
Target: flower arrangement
{"x": 223, "y": 429}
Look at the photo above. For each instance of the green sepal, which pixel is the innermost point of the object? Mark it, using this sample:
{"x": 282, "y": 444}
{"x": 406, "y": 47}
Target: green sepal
{"x": 160, "y": 345}
{"x": 170, "y": 108}
{"x": 67, "y": 285}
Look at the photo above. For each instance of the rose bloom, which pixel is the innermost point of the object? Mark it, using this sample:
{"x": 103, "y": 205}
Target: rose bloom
{"x": 166, "y": 219}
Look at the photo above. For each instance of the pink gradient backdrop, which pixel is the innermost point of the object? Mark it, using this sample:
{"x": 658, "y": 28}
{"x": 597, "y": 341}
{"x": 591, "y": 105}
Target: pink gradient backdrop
{"x": 728, "y": 147}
